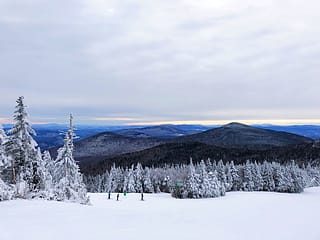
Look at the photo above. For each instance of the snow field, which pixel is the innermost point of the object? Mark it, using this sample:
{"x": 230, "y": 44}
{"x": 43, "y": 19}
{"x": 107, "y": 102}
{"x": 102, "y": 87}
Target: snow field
{"x": 237, "y": 216}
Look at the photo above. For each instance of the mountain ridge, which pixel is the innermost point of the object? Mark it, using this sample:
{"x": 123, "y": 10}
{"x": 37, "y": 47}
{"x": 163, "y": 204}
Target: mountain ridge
{"x": 237, "y": 135}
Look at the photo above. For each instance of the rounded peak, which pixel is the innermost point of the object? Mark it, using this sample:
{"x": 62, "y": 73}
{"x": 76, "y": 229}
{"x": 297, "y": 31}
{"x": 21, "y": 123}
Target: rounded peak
{"x": 235, "y": 125}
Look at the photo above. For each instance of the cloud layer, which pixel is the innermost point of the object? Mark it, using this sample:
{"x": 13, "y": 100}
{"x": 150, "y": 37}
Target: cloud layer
{"x": 123, "y": 61}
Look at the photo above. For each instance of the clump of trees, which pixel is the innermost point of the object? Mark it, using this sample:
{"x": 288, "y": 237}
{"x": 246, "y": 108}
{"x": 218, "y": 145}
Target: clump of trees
{"x": 27, "y": 173}
{"x": 206, "y": 179}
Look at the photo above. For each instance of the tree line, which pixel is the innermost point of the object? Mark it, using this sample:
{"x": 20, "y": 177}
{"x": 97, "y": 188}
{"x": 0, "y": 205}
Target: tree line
{"x": 206, "y": 179}
{"x": 26, "y": 172}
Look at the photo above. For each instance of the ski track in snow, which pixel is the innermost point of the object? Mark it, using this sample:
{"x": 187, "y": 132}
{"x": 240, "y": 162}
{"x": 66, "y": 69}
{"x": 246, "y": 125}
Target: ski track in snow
{"x": 237, "y": 216}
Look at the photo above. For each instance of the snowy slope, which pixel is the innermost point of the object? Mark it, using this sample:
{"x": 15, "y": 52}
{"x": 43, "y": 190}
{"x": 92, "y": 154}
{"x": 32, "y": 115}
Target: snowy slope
{"x": 237, "y": 216}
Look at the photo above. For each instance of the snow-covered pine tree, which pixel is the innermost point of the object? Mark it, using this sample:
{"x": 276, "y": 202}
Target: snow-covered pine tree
{"x": 67, "y": 178}
{"x": 45, "y": 172}
{"x": 267, "y": 176}
{"x": 248, "y": 184}
{"x": 236, "y": 179}
{"x": 125, "y": 180}
{"x": 23, "y": 152}
{"x": 112, "y": 183}
{"x": 4, "y": 159}
{"x": 48, "y": 161}
{"x": 147, "y": 184}
{"x": 312, "y": 175}
{"x": 298, "y": 181}
{"x": 138, "y": 176}
{"x": 279, "y": 177}
{"x": 119, "y": 179}
{"x": 131, "y": 183}
{"x": 229, "y": 179}
{"x": 191, "y": 186}
{"x": 204, "y": 182}
{"x": 6, "y": 191}
{"x": 221, "y": 173}
{"x": 257, "y": 177}
{"x": 216, "y": 188}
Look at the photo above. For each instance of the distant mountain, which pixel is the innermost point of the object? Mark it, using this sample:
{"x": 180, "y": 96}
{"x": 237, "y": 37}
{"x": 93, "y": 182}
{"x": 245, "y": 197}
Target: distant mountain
{"x": 237, "y": 135}
{"x": 110, "y": 144}
{"x": 51, "y": 135}
{"x": 162, "y": 131}
{"x": 234, "y": 141}
{"x": 311, "y": 131}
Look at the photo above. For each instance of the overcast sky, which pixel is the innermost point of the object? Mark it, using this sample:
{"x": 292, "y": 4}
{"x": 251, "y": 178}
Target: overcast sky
{"x": 158, "y": 61}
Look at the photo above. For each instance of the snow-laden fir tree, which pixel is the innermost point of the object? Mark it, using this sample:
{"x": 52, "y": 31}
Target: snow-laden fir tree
{"x": 191, "y": 185}
{"x": 313, "y": 176}
{"x": 221, "y": 173}
{"x": 281, "y": 179}
{"x": 112, "y": 183}
{"x": 6, "y": 191}
{"x": 23, "y": 151}
{"x": 257, "y": 177}
{"x": 45, "y": 172}
{"x": 4, "y": 159}
{"x": 229, "y": 178}
{"x": 217, "y": 189}
{"x": 125, "y": 180}
{"x": 236, "y": 179}
{"x": 147, "y": 184}
{"x": 131, "y": 183}
{"x": 68, "y": 181}
{"x": 49, "y": 162}
{"x": 119, "y": 178}
{"x": 298, "y": 181}
{"x": 267, "y": 176}
{"x": 138, "y": 176}
{"x": 248, "y": 184}
{"x": 205, "y": 190}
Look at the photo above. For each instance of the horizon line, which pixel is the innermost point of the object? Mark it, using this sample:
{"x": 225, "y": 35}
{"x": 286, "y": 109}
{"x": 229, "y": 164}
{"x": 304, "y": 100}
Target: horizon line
{"x": 100, "y": 122}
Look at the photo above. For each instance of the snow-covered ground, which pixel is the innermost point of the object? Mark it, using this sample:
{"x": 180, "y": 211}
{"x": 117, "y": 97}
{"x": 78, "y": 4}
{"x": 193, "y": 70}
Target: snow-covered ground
{"x": 237, "y": 216}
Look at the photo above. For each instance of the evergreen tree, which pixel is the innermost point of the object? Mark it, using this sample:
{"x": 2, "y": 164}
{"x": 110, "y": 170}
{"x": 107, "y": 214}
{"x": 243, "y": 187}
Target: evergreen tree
{"x": 257, "y": 177}
{"x": 4, "y": 160}
{"x": 25, "y": 160}
{"x": 221, "y": 173}
{"x": 191, "y": 189}
{"x": 229, "y": 178}
{"x": 131, "y": 182}
{"x": 138, "y": 176}
{"x": 204, "y": 182}
{"x": 49, "y": 162}
{"x": 248, "y": 184}
{"x": 67, "y": 177}
{"x": 217, "y": 189}
{"x": 267, "y": 176}
{"x": 112, "y": 185}
{"x": 298, "y": 181}
{"x": 45, "y": 175}
{"x": 125, "y": 180}
{"x": 147, "y": 184}
{"x": 236, "y": 179}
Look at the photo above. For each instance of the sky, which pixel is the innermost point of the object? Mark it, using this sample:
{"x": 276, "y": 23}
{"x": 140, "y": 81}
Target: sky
{"x": 124, "y": 62}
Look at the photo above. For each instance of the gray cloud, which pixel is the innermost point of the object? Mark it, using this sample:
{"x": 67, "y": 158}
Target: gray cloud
{"x": 161, "y": 60}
